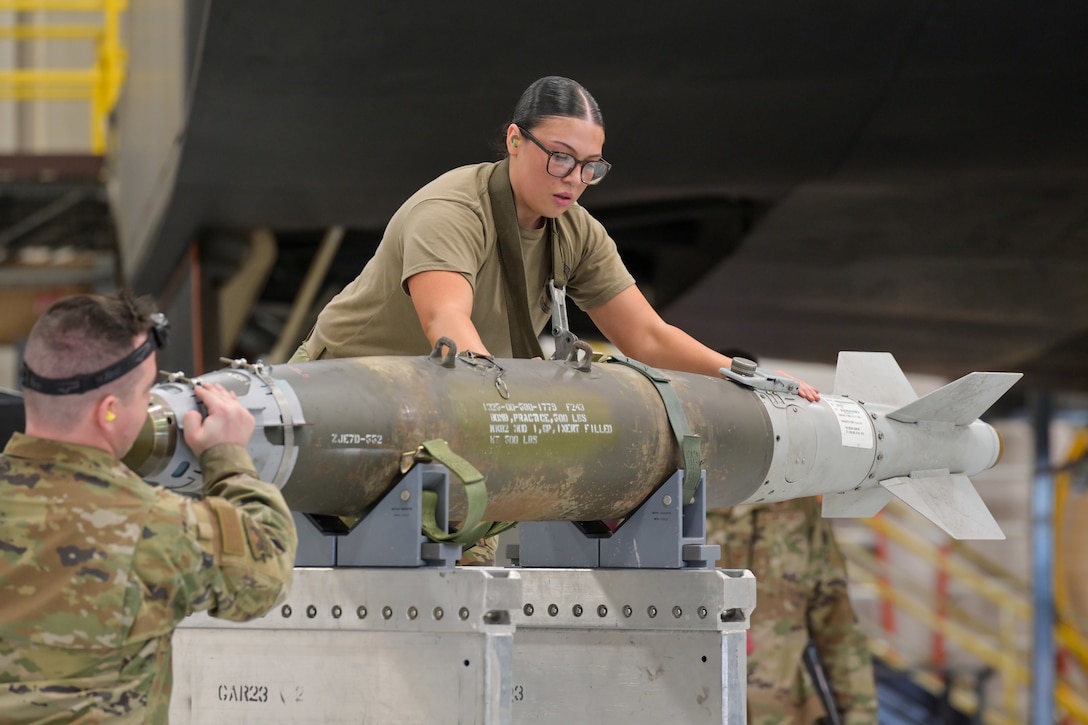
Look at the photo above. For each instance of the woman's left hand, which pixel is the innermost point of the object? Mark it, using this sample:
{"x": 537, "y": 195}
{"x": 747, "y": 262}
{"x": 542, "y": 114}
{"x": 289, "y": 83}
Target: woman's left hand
{"x": 806, "y": 391}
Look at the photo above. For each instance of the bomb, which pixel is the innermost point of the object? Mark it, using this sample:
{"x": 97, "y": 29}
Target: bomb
{"x": 585, "y": 440}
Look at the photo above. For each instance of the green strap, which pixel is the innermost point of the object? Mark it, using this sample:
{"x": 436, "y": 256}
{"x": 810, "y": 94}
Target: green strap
{"x": 472, "y": 529}
{"x": 523, "y": 340}
{"x": 690, "y": 449}
{"x": 497, "y": 527}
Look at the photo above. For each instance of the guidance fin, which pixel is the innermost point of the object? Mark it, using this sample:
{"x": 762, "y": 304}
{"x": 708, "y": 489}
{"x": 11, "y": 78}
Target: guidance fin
{"x": 961, "y": 402}
{"x": 948, "y": 500}
{"x": 859, "y": 504}
{"x": 873, "y": 377}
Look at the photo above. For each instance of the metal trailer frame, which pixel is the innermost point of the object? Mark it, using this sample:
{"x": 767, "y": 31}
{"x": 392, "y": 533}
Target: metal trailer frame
{"x": 434, "y": 643}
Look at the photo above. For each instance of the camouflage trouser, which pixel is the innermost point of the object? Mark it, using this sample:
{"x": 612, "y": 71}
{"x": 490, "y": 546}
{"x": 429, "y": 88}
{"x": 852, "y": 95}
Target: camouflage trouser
{"x": 482, "y": 553}
{"x": 801, "y": 595}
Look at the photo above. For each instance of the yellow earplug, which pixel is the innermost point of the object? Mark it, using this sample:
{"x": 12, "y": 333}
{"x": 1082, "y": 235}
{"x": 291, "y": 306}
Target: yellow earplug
{"x": 110, "y": 416}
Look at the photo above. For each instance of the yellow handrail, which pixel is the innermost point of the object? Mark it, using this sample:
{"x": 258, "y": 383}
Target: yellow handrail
{"x": 996, "y": 642}
{"x": 915, "y": 601}
{"x": 66, "y": 6}
{"x": 1003, "y": 656}
{"x": 50, "y": 32}
{"x": 99, "y": 85}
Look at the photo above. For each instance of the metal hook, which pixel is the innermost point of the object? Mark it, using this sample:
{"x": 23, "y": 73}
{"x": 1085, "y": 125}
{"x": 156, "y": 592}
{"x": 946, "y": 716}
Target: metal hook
{"x": 586, "y": 362}
{"x": 450, "y": 358}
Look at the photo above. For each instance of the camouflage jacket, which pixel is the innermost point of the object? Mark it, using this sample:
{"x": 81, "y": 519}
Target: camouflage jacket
{"x": 801, "y": 594}
{"x": 97, "y": 568}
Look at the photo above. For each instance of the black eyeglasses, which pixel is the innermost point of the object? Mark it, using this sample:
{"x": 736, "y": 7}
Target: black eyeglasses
{"x": 560, "y": 164}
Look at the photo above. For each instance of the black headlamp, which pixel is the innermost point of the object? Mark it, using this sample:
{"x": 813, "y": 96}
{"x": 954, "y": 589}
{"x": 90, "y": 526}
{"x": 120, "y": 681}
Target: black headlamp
{"x": 157, "y": 337}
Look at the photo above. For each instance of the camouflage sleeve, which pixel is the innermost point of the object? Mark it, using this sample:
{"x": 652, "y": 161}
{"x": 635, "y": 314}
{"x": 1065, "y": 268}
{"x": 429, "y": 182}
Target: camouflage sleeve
{"x": 833, "y": 626}
{"x": 257, "y": 538}
{"x": 231, "y": 553}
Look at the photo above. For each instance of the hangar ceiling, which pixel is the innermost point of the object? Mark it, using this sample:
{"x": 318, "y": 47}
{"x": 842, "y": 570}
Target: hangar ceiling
{"x": 793, "y": 179}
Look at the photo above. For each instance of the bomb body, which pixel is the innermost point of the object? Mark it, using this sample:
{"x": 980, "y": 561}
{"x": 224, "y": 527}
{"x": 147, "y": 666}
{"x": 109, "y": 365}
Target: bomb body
{"x": 555, "y": 440}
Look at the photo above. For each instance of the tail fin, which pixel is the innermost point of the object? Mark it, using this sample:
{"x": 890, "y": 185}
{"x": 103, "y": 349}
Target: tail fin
{"x": 873, "y": 377}
{"x": 961, "y": 402}
{"x": 948, "y": 500}
{"x": 858, "y": 504}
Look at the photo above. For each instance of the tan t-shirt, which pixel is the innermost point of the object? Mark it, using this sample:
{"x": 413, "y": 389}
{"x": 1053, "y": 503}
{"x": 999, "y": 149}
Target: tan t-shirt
{"x": 448, "y": 225}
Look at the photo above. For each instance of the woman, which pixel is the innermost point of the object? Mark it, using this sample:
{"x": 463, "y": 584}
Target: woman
{"x": 442, "y": 267}
{"x": 471, "y": 254}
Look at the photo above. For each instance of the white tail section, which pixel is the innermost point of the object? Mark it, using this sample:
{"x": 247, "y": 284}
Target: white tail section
{"x": 948, "y": 500}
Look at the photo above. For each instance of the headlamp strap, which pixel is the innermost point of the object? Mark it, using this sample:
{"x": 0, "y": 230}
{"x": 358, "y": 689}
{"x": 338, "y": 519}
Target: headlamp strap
{"x": 156, "y": 337}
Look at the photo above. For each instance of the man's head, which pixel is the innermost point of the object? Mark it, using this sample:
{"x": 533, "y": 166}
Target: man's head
{"x": 88, "y": 369}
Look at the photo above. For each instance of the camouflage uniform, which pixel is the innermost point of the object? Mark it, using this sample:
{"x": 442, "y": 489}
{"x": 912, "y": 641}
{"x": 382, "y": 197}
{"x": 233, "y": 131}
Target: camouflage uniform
{"x": 97, "y": 568}
{"x": 801, "y": 595}
{"x": 482, "y": 553}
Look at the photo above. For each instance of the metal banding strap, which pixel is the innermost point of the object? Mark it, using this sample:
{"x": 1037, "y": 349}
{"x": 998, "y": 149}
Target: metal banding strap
{"x": 284, "y": 470}
{"x": 690, "y": 448}
{"x": 472, "y": 529}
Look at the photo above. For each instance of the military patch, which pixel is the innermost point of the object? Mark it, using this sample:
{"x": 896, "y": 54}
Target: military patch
{"x": 230, "y": 528}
